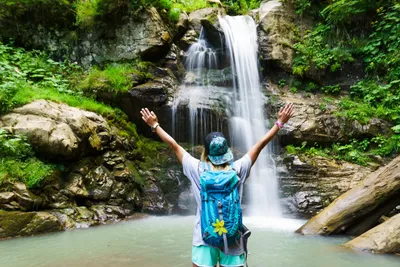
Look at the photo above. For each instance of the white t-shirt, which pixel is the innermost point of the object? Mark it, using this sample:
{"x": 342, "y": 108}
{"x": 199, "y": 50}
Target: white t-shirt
{"x": 192, "y": 170}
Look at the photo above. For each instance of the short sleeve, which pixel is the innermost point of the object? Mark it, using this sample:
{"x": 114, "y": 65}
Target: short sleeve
{"x": 191, "y": 168}
{"x": 243, "y": 167}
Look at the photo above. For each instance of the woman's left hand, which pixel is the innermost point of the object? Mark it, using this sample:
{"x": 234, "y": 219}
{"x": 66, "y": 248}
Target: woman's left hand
{"x": 149, "y": 117}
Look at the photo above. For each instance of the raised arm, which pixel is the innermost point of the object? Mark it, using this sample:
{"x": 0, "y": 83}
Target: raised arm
{"x": 284, "y": 114}
{"x": 151, "y": 119}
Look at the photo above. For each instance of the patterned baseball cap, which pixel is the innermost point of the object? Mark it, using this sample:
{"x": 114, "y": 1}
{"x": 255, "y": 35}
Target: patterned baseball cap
{"x": 217, "y": 148}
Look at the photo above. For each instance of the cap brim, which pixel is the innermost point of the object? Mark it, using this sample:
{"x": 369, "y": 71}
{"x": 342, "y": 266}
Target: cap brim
{"x": 218, "y": 160}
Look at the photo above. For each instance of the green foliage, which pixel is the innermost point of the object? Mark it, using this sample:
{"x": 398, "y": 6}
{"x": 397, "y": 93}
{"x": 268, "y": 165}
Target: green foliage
{"x": 31, "y": 171}
{"x": 114, "y": 78}
{"x": 46, "y": 12}
{"x": 360, "y": 152}
{"x": 17, "y": 161}
{"x": 86, "y": 12}
{"x": 165, "y": 4}
{"x": 19, "y": 68}
{"x": 240, "y": 7}
{"x": 174, "y": 14}
{"x": 383, "y": 49}
{"x": 372, "y": 100}
{"x": 313, "y": 51}
{"x": 331, "y": 89}
{"x": 14, "y": 146}
{"x": 301, "y": 6}
{"x": 348, "y": 11}
{"x": 28, "y": 76}
{"x": 190, "y": 5}
{"x": 281, "y": 83}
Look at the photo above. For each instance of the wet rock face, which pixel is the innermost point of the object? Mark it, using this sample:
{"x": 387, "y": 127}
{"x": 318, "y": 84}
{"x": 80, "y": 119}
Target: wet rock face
{"x": 16, "y": 196}
{"x": 156, "y": 94}
{"x": 103, "y": 181}
{"x": 57, "y": 130}
{"x": 310, "y": 184}
{"x": 27, "y": 223}
{"x": 97, "y": 190}
{"x": 143, "y": 35}
{"x": 315, "y": 120}
{"x": 275, "y": 32}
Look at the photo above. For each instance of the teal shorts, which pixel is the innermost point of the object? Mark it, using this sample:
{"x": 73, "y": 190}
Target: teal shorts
{"x": 204, "y": 256}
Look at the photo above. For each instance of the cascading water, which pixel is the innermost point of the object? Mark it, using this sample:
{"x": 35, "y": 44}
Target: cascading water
{"x": 198, "y": 93}
{"x": 248, "y": 123}
{"x": 243, "y": 104}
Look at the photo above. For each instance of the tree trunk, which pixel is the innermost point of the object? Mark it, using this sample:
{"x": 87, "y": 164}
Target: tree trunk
{"x": 384, "y": 238}
{"x": 368, "y": 196}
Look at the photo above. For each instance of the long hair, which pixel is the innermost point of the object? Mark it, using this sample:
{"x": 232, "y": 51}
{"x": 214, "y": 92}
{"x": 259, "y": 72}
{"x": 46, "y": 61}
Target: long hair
{"x": 222, "y": 167}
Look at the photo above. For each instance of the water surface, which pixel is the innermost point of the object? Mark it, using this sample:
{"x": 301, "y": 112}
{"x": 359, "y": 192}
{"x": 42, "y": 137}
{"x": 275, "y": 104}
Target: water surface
{"x": 166, "y": 241}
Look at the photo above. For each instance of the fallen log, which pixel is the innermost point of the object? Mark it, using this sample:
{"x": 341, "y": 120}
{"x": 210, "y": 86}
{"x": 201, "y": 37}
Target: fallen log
{"x": 374, "y": 191}
{"x": 384, "y": 238}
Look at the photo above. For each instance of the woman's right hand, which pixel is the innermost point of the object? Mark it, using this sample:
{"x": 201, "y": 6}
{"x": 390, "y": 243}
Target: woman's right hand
{"x": 285, "y": 113}
{"x": 149, "y": 117}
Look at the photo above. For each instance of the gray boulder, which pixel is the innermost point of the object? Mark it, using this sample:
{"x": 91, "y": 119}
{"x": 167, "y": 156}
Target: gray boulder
{"x": 58, "y": 130}
{"x": 15, "y": 223}
{"x": 309, "y": 184}
{"x": 275, "y": 33}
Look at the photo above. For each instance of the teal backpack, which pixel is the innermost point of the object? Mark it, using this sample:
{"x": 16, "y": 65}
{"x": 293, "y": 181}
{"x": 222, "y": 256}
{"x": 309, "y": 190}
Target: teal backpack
{"x": 221, "y": 214}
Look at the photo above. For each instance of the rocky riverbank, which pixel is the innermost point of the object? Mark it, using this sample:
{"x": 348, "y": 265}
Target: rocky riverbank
{"x": 104, "y": 178}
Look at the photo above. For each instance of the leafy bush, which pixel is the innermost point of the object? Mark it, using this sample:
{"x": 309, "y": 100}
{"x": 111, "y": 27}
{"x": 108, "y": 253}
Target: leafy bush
{"x": 165, "y": 4}
{"x": 57, "y": 13}
{"x": 350, "y": 11}
{"x": 360, "y": 152}
{"x": 17, "y": 161}
{"x": 314, "y": 52}
{"x": 383, "y": 50}
{"x": 174, "y": 14}
{"x": 86, "y": 12}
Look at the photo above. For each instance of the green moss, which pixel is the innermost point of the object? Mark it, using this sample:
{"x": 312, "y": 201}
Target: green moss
{"x": 114, "y": 78}
{"x": 13, "y": 222}
{"x": 30, "y": 171}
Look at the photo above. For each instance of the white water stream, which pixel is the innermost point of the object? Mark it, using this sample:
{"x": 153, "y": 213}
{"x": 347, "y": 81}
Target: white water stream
{"x": 244, "y": 104}
{"x": 248, "y": 123}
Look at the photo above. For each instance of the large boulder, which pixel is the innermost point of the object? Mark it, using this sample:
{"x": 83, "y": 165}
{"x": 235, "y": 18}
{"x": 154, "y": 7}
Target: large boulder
{"x": 205, "y": 21}
{"x": 58, "y": 130}
{"x": 16, "y": 196}
{"x": 384, "y": 238}
{"x": 275, "y": 33}
{"x": 209, "y": 14}
{"x": 15, "y": 223}
{"x": 309, "y": 184}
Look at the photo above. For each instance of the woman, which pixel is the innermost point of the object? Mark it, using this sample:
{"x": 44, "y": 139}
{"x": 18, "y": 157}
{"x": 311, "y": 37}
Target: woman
{"x": 217, "y": 154}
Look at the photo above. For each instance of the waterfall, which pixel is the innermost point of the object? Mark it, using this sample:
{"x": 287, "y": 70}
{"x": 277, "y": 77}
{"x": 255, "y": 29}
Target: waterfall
{"x": 248, "y": 123}
{"x": 198, "y": 95}
{"x": 243, "y": 103}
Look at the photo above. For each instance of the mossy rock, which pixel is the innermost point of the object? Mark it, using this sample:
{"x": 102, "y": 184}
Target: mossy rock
{"x": 15, "y": 223}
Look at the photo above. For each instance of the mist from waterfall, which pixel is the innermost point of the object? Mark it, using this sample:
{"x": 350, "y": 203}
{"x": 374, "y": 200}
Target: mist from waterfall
{"x": 248, "y": 123}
